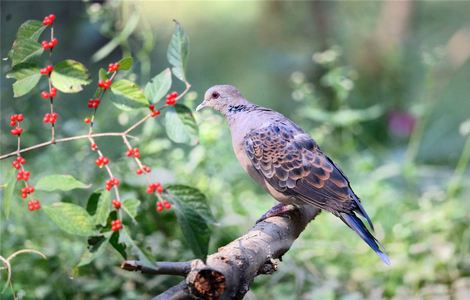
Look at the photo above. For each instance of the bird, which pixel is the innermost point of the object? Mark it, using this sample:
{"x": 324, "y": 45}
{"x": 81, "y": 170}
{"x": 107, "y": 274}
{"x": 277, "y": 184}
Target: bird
{"x": 287, "y": 162}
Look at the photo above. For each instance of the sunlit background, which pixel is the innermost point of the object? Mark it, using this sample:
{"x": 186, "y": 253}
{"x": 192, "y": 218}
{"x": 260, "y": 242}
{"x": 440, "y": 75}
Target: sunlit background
{"x": 383, "y": 87}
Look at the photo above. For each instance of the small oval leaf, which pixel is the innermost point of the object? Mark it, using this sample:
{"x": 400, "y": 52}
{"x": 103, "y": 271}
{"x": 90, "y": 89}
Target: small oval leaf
{"x": 127, "y": 95}
{"x": 125, "y": 63}
{"x": 70, "y": 218}
{"x": 59, "y": 182}
{"x": 158, "y": 86}
{"x": 103, "y": 208}
{"x": 30, "y": 29}
{"x": 24, "y": 50}
{"x": 193, "y": 215}
{"x": 27, "y": 77}
{"x": 130, "y": 206}
{"x": 69, "y": 76}
{"x": 181, "y": 126}
{"x": 178, "y": 51}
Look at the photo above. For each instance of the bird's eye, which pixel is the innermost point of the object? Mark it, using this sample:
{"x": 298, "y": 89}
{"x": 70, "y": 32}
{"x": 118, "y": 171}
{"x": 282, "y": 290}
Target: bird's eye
{"x": 215, "y": 95}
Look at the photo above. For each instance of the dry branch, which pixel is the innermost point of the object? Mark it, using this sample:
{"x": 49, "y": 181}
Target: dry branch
{"x": 228, "y": 273}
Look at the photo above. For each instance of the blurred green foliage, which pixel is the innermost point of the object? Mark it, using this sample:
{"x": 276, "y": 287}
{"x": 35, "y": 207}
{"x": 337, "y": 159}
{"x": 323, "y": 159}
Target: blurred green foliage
{"x": 382, "y": 87}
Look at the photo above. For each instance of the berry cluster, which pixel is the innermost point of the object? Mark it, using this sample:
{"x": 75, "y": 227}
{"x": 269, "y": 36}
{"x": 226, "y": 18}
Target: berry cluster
{"x": 111, "y": 182}
{"x": 162, "y": 205}
{"x": 14, "y": 121}
{"x": 116, "y": 225}
{"x": 116, "y": 203}
{"x": 48, "y": 20}
{"x": 144, "y": 169}
{"x": 50, "y": 118}
{"x": 171, "y": 98}
{"x": 51, "y": 94}
{"x": 154, "y": 187}
{"x": 113, "y": 67}
{"x": 18, "y": 162}
{"x": 26, "y": 191}
{"x": 49, "y": 44}
{"x": 105, "y": 84}
{"x": 34, "y": 205}
{"x": 94, "y": 103}
{"x": 133, "y": 152}
{"x": 23, "y": 175}
{"x": 153, "y": 112}
{"x": 47, "y": 70}
{"x": 102, "y": 161}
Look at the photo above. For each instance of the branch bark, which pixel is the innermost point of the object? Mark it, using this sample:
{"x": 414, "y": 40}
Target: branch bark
{"x": 228, "y": 273}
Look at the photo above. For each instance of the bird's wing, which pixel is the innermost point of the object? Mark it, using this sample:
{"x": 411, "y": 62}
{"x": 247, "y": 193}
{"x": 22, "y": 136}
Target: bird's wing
{"x": 293, "y": 164}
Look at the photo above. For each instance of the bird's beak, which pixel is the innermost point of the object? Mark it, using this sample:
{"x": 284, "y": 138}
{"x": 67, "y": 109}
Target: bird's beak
{"x": 201, "y": 106}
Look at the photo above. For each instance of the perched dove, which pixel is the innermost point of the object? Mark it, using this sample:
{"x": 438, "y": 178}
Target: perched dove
{"x": 287, "y": 162}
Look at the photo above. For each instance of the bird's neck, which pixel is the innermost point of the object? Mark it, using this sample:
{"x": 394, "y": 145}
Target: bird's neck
{"x": 237, "y": 107}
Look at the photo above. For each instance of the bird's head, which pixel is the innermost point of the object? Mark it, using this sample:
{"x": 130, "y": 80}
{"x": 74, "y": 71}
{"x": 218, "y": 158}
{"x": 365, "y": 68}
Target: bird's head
{"x": 220, "y": 97}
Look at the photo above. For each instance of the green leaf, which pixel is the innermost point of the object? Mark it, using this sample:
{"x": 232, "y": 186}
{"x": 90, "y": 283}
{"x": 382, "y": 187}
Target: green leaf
{"x": 103, "y": 208}
{"x": 125, "y": 63}
{"x": 92, "y": 203}
{"x": 117, "y": 244}
{"x": 71, "y": 218}
{"x": 181, "y": 126}
{"x": 158, "y": 86}
{"x": 60, "y": 182}
{"x": 24, "y": 50}
{"x": 127, "y": 95}
{"x": 27, "y": 77}
{"x": 30, "y": 29}
{"x": 96, "y": 246}
{"x": 102, "y": 75}
{"x": 69, "y": 76}
{"x": 130, "y": 206}
{"x": 8, "y": 190}
{"x": 193, "y": 215}
{"x": 178, "y": 51}
{"x": 125, "y": 238}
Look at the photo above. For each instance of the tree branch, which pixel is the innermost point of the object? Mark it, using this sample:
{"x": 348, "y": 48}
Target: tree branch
{"x": 228, "y": 273}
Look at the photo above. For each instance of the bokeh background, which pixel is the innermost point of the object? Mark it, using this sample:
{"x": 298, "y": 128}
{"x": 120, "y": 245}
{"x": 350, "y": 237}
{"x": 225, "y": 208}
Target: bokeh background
{"x": 382, "y": 86}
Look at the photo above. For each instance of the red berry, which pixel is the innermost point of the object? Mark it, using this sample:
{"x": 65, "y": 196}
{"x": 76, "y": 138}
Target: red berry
{"x": 139, "y": 171}
{"x": 48, "y": 20}
{"x": 102, "y": 161}
{"x": 53, "y": 43}
{"x": 53, "y": 92}
{"x": 45, "y": 95}
{"x": 152, "y": 107}
{"x": 116, "y": 204}
{"x": 159, "y": 207}
{"x": 146, "y": 169}
{"x": 21, "y": 160}
{"x": 17, "y": 131}
{"x": 166, "y": 204}
{"x": 104, "y": 84}
{"x": 45, "y": 45}
{"x": 155, "y": 113}
{"x": 116, "y": 225}
{"x": 19, "y": 117}
{"x": 93, "y": 147}
{"x": 129, "y": 153}
{"x": 113, "y": 67}
{"x": 87, "y": 120}
{"x": 12, "y": 123}
{"x": 34, "y": 205}
{"x": 46, "y": 118}
{"x": 16, "y": 164}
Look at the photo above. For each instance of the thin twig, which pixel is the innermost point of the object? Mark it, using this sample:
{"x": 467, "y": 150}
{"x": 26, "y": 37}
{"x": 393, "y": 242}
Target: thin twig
{"x": 159, "y": 268}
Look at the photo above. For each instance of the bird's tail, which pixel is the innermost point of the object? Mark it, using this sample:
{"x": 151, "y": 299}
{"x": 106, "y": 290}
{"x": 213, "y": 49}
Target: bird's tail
{"x": 358, "y": 226}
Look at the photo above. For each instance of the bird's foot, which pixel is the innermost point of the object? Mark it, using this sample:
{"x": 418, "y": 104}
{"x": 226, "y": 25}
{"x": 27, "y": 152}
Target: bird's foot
{"x": 277, "y": 210}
